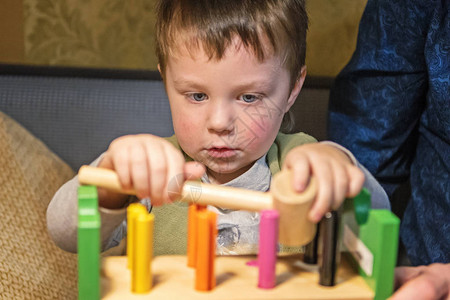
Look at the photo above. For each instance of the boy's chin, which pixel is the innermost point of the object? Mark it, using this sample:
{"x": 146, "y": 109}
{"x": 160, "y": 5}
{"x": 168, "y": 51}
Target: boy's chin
{"x": 225, "y": 172}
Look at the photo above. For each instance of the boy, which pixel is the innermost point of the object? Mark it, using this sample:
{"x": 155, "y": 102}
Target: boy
{"x": 231, "y": 69}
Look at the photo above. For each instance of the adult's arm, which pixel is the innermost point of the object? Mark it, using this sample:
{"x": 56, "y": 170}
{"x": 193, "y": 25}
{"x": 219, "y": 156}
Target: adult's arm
{"x": 430, "y": 282}
{"x": 378, "y": 98}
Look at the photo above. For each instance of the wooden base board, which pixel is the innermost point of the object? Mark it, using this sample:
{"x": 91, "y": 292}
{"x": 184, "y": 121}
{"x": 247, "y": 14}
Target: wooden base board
{"x": 172, "y": 279}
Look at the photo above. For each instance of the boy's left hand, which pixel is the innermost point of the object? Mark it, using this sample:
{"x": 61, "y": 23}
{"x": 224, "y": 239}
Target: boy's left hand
{"x": 336, "y": 175}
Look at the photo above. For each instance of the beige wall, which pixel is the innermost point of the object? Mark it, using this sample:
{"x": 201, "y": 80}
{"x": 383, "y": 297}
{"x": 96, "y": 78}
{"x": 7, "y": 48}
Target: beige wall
{"x": 332, "y": 34}
{"x": 119, "y": 33}
{"x": 94, "y": 33}
{"x": 11, "y": 31}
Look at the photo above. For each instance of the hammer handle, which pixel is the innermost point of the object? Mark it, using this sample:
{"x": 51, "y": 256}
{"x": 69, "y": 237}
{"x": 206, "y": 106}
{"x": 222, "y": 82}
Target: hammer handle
{"x": 192, "y": 192}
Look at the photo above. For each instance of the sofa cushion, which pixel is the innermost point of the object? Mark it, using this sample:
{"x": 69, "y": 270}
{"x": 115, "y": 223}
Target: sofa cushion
{"x": 77, "y": 115}
{"x": 31, "y": 266}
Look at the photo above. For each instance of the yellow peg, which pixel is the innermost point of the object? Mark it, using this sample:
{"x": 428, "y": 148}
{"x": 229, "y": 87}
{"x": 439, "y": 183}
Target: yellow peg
{"x": 132, "y": 212}
{"x": 141, "y": 279}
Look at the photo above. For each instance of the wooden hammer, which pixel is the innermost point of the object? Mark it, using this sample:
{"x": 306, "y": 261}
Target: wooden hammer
{"x": 295, "y": 229}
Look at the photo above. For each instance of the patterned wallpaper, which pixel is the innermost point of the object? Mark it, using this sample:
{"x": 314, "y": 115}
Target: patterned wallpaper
{"x": 103, "y": 33}
{"x": 119, "y": 33}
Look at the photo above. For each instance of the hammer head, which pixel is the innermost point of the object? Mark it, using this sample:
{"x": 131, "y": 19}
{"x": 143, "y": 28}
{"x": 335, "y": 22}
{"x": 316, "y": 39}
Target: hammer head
{"x": 295, "y": 228}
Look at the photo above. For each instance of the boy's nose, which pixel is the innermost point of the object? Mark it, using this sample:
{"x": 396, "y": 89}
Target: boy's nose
{"x": 221, "y": 117}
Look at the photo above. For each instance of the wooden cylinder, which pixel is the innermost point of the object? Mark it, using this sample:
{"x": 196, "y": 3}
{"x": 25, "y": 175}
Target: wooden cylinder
{"x": 193, "y": 191}
{"x": 133, "y": 211}
{"x": 267, "y": 250}
{"x": 192, "y": 240}
{"x": 205, "y": 279}
{"x": 225, "y": 197}
{"x": 141, "y": 276}
{"x": 329, "y": 236}
{"x": 295, "y": 227}
{"x": 102, "y": 177}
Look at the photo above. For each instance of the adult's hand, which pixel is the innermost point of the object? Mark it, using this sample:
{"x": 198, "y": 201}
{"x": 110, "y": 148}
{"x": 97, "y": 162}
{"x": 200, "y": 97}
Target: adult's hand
{"x": 430, "y": 282}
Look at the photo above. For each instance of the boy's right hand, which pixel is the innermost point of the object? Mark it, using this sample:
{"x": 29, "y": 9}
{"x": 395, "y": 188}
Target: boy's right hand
{"x": 148, "y": 164}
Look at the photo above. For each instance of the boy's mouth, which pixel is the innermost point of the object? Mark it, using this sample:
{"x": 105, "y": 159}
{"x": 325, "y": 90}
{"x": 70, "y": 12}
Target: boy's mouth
{"x": 221, "y": 152}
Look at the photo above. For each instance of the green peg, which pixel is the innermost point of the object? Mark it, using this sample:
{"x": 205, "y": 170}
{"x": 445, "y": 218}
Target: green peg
{"x": 88, "y": 244}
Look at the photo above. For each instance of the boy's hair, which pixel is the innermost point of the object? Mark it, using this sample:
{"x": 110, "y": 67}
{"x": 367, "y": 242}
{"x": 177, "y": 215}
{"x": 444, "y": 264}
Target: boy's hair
{"x": 212, "y": 25}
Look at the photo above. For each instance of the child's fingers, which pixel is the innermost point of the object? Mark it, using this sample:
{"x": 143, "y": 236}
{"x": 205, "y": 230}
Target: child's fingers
{"x": 106, "y": 161}
{"x": 139, "y": 170}
{"x": 175, "y": 177}
{"x": 120, "y": 157}
{"x": 193, "y": 170}
{"x": 299, "y": 164}
{"x": 190, "y": 171}
{"x": 158, "y": 169}
{"x": 301, "y": 174}
{"x": 356, "y": 181}
{"x": 322, "y": 203}
{"x": 340, "y": 185}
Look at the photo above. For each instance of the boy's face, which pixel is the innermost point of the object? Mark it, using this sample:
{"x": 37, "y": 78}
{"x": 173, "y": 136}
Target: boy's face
{"x": 226, "y": 113}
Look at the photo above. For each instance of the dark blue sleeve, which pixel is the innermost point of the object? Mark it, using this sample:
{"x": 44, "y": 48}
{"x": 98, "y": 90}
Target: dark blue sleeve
{"x": 376, "y": 102}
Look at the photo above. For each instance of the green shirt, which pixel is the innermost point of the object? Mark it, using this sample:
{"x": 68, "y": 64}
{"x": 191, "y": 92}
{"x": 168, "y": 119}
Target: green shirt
{"x": 170, "y": 232}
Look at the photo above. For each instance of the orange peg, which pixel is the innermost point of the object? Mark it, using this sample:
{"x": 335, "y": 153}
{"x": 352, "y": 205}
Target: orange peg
{"x": 192, "y": 233}
{"x": 206, "y": 246}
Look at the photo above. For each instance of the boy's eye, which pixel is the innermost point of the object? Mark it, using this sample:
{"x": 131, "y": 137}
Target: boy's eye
{"x": 248, "y": 98}
{"x": 198, "y": 96}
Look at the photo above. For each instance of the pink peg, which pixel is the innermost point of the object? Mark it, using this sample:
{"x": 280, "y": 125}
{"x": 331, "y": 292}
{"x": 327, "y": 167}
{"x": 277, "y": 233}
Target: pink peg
{"x": 267, "y": 254}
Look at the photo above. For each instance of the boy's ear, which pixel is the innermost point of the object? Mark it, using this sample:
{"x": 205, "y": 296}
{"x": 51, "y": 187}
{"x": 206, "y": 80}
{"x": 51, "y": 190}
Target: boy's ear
{"x": 297, "y": 88}
{"x": 160, "y": 73}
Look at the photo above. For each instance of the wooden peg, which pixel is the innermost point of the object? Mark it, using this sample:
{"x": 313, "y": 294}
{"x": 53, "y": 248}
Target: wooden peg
{"x": 193, "y": 233}
{"x": 143, "y": 252}
{"x": 133, "y": 211}
{"x": 267, "y": 251}
{"x": 206, "y": 250}
{"x": 88, "y": 246}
